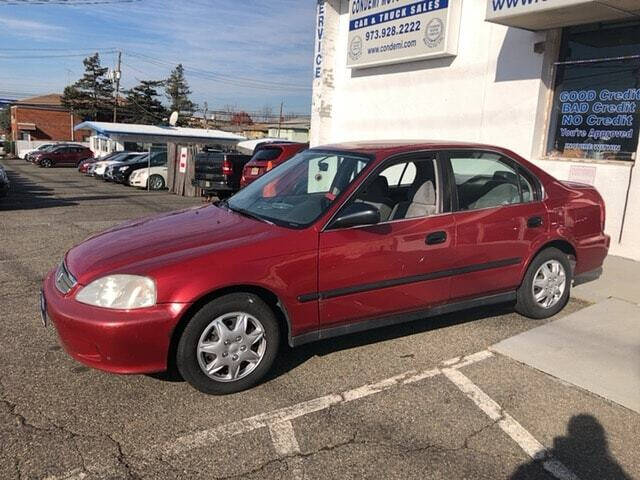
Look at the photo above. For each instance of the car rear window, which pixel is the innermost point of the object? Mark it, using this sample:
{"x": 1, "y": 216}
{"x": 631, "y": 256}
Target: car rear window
{"x": 267, "y": 154}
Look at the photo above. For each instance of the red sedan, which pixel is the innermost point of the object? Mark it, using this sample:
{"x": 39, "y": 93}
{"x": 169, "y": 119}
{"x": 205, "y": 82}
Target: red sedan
{"x": 339, "y": 239}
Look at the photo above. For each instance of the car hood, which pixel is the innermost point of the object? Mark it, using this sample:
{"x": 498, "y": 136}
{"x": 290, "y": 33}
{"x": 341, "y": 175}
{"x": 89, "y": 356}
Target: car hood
{"x": 141, "y": 245}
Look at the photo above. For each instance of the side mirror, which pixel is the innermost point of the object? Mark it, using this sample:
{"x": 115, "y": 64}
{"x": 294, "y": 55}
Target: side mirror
{"x": 323, "y": 166}
{"x": 358, "y": 213}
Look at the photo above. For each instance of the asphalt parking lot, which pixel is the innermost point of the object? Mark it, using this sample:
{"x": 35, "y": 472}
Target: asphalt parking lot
{"x": 425, "y": 400}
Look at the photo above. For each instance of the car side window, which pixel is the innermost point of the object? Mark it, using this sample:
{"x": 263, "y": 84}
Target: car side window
{"x": 403, "y": 190}
{"x": 486, "y": 179}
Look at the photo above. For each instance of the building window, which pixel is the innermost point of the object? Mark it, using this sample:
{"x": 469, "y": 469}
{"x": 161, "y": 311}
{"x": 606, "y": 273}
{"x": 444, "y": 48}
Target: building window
{"x": 596, "y": 102}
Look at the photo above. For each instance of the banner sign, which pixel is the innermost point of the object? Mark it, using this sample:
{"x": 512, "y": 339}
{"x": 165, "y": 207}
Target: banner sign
{"x": 598, "y": 121}
{"x": 182, "y": 165}
{"x": 396, "y": 31}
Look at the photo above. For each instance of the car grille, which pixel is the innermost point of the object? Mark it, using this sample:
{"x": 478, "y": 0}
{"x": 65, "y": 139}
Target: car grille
{"x": 64, "y": 280}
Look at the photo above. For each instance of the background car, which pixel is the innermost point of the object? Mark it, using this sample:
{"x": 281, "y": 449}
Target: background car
{"x": 123, "y": 172}
{"x": 99, "y": 168}
{"x": 84, "y": 165}
{"x": 4, "y": 182}
{"x": 62, "y": 156}
{"x": 41, "y": 148}
{"x": 113, "y": 166}
{"x": 269, "y": 156}
{"x": 156, "y": 177}
{"x": 218, "y": 173}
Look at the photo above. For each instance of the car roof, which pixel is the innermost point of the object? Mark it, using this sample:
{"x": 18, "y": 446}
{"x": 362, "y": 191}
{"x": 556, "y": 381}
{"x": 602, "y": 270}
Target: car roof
{"x": 388, "y": 147}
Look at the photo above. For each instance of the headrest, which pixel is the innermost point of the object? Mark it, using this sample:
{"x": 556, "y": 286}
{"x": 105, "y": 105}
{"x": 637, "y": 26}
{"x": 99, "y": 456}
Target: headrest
{"x": 426, "y": 194}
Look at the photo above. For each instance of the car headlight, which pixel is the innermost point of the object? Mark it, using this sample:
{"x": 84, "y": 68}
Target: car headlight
{"x": 123, "y": 169}
{"x": 122, "y": 292}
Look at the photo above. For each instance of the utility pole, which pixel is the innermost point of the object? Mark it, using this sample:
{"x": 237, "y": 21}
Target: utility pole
{"x": 280, "y": 119}
{"x": 206, "y": 111}
{"x": 116, "y": 77}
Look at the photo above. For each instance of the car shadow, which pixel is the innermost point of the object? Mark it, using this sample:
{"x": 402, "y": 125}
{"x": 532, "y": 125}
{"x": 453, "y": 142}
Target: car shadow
{"x": 25, "y": 194}
{"x": 290, "y": 358}
{"x": 584, "y": 450}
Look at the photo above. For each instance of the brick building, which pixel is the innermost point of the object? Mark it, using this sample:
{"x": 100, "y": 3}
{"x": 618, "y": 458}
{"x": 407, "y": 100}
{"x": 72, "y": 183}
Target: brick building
{"x": 44, "y": 118}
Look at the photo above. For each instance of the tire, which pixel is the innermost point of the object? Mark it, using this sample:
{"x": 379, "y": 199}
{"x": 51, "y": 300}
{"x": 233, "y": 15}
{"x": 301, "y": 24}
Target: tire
{"x": 46, "y": 163}
{"x": 156, "y": 182}
{"x": 227, "y": 310}
{"x": 551, "y": 291}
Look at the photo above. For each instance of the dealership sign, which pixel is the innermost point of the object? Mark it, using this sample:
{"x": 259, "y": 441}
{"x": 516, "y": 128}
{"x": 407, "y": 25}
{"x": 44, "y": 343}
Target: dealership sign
{"x": 546, "y": 14}
{"x": 396, "y": 31}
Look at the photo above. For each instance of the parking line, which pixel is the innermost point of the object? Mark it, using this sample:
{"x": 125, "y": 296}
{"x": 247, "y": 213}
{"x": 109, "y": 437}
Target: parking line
{"x": 277, "y": 418}
{"x": 508, "y": 424}
{"x": 286, "y": 445}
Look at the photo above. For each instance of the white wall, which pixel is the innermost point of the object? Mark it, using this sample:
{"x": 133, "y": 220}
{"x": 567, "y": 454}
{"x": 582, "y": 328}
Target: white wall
{"x": 461, "y": 98}
{"x": 493, "y": 92}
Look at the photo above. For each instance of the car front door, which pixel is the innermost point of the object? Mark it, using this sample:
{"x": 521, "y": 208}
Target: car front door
{"x": 398, "y": 265}
{"x": 499, "y": 215}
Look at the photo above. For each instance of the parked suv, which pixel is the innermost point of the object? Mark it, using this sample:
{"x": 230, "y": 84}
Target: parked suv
{"x": 4, "y": 182}
{"x": 339, "y": 239}
{"x": 267, "y": 157}
{"x": 218, "y": 174}
{"x": 62, "y": 155}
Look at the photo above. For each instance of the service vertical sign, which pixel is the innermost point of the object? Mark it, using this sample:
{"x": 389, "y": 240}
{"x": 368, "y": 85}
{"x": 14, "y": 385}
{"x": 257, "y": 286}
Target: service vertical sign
{"x": 317, "y": 57}
{"x": 397, "y": 31}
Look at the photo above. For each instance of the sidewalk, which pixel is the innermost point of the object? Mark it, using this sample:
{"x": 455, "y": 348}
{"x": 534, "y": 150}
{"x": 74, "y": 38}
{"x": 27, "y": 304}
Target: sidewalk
{"x": 598, "y": 347}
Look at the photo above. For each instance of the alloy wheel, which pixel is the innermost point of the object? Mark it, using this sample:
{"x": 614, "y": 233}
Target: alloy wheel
{"x": 549, "y": 283}
{"x": 156, "y": 182}
{"x": 231, "y": 346}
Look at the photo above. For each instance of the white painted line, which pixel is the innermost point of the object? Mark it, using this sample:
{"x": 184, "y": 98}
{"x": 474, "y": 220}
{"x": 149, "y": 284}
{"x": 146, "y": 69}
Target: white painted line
{"x": 509, "y": 425}
{"x": 206, "y": 437}
{"x": 278, "y": 418}
{"x": 284, "y": 438}
{"x": 372, "y": 388}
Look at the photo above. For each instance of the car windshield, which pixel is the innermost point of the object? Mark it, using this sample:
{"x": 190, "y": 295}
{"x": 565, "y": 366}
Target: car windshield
{"x": 297, "y": 192}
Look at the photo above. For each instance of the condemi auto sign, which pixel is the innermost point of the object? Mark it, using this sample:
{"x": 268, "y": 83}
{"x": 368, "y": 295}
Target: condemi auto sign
{"x": 384, "y": 32}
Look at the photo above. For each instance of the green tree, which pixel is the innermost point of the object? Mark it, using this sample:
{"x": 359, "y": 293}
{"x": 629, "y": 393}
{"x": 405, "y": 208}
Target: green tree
{"x": 5, "y": 120}
{"x": 177, "y": 91}
{"x": 91, "y": 97}
{"x": 143, "y": 105}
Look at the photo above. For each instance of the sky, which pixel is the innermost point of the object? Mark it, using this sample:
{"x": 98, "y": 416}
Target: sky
{"x": 245, "y": 53}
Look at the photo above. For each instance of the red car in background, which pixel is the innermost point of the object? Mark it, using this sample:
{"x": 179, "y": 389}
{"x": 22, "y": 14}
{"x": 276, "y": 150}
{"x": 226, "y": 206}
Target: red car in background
{"x": 339, "y": 239}
{"x": 62, "y": 156}
{"x": 269, "y": 156}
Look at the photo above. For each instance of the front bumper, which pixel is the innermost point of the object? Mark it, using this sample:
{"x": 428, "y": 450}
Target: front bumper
{"x": 117, "y": 341}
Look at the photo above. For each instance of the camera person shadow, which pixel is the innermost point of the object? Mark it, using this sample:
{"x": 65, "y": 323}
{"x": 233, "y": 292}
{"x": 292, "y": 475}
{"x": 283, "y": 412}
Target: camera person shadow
{"x": 584, "y": 451}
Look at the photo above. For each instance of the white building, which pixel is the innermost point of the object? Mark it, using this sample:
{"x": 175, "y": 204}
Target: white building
{"x": 557, "y": 81}
{"x": 109, "y": 137}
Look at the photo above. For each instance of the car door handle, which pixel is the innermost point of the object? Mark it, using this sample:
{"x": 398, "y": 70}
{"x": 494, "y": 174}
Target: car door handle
{"x": 534, "y": 222}
{"x": 436, "y": 238}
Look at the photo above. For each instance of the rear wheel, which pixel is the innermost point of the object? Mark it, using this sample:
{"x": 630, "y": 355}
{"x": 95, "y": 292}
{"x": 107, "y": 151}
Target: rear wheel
{"x": 156, "y": 182}
{"x": 229, "y": 344}
{"x": 546, "y": 286}
{"x": 46, "y": 163}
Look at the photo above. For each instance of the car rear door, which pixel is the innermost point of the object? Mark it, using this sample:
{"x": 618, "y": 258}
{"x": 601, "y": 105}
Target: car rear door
{"x": 499, "y": 216}
{"x": 395, "y": 267}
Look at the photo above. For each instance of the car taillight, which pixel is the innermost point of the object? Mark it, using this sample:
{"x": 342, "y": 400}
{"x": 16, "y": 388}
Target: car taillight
{"x": 269, "y": 165}
{"x": 227, "y": 167}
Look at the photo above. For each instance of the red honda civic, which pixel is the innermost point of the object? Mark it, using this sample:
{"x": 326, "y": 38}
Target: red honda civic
{"x": 339, "y": 239}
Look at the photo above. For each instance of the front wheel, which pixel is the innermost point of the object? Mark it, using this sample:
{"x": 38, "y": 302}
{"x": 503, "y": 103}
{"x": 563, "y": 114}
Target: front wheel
{"x": 229, "y": 344}
{"x": 46, "y": 163}
{"x": 156, "y": 182}
{"x": 546, "y": 286}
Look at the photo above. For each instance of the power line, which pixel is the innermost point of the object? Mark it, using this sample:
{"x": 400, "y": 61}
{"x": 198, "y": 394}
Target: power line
{"x": 63, "y": 2}
{"x": 221, "y": 78}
